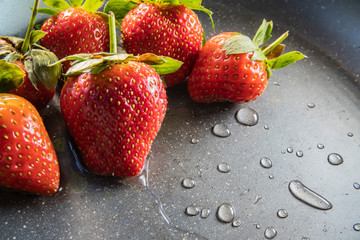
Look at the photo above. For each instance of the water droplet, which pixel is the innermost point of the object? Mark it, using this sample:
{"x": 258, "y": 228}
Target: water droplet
{"x": 226, "y": 213}
{"x": 266, "y": 127}
{"x": 320, "y": 146}
{"x": 306, "y": 195}
{"x": 356, "y": 185}
{"x": 290, "y": 150}
{"x": 311, "y": 105}
{"x": 270, "y": 233}
{"x": 276, "y": 83}
{"x": 194, "y": 141}
{"x": 223, "y": 167}
{"x": 305, "y": 238}
{"x": 282, "y": 213}
{"x": 271, "y": 176}
{"x": 335, "y": 159}
{"x": 356, "y": 227}
{"x": 299, "y": 153}
{"x": 221, "y": 130}
{"x": 188, "y": 183}
{"x": 258, "y": 226}
{"x": 350, "y": 134}
{"x": 236, "y": 222}
{"x": 192, "y": 211}
{"x": 205, "y": 213}
{"x": 257, "y": 199}
{"x": 283, "y": 151}
{"x": 265, "y": 162}
{"x": 247, "y": 116}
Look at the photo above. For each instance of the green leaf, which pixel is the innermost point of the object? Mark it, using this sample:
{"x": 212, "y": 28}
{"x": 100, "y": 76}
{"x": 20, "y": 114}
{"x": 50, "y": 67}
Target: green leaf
{"x": 37, "y": 66}
{"x": 76, "y": 3}
{"x": 238, "y": 44}
{"x": 120, "y": 8}
{"x": 258, "y": 55}
{"x": 36, "y": 36}
{"x": 169, "y": 65}
{"x": 12, "y": 57}
{"x": 83, "y": 66}
{"x": 285, "y": 60}
{"x": 11, "y": 76}
{"x": 92, "y": 5}
{"x": 57, "y": 4}
{"x": 48, "y": 11}
{"x": 263, "y": 34}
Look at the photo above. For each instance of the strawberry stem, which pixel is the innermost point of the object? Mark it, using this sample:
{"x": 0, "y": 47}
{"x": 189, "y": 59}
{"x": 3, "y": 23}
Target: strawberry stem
{"x": 112, "y": 33}
{"x": 26, "y": 42}
{"x": 275, "y": 43}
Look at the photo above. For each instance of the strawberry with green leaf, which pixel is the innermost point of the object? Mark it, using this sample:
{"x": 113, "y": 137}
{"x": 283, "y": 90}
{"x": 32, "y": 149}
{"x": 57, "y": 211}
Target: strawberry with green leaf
{"x": 113, "y": 105}
{"x": 163, "y": 27}
{"x": 75, "y": 28}
{"x": 232, "y": 67}
{"x": 28, "y": 161}
{"x": 24, "y": 69}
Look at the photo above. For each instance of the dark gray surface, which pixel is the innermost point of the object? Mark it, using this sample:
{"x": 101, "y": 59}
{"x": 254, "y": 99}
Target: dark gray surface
{"x": 90, "y": 207}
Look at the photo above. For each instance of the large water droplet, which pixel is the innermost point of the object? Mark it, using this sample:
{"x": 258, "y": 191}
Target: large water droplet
{"x": 265, "y": 162}
{"x": 290, "y": 150}
{"x": 236, "y": 222}
{"x": 299, "y": 153}
{"x": 282, "y": 213}
{"x": 205, "y": 213}
{"x": 356, "y": 185}
{"x": 270, "y": 233}
{"x": 223, "y": 167}
{"x": 247, "y": 116}
{"x": 350, "y": 134}
{"x": 306, "y": 195}
{"x": 226, "y": 213}
{"x": 320, "y": 146}
{"x": 221, "y": 130}
{"x": 356, "y": 227}
{"x": 188, "y": 183}
{"x": 192, "y": 211}
{"x": 335, "y": 159}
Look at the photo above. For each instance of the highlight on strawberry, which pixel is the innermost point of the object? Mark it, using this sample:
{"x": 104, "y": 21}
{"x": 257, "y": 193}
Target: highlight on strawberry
{"x": 232, "y": 67}
{"x": 113, "y": 105}
{"x": 163, "y": 27}
{"x": 28, "y": 161}
{"x": 24, "y": 69}
{"x": 75, "y": 28}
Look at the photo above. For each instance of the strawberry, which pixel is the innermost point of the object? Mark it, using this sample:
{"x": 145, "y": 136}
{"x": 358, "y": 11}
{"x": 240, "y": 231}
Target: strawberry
{"x": 232, "y": 67}
{"x": 28, "y": 161}
{"x": 75, "y": 29}
{"x": 113, "y": 106}
{"x": 24, "y": 69}
{"x": 164, "y": 29}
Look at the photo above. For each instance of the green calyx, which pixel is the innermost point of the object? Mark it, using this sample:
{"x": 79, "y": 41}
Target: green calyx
{"x": 121, "y": 7}
{"x": 270, "y": 54}
{"x": 56, "y": 6}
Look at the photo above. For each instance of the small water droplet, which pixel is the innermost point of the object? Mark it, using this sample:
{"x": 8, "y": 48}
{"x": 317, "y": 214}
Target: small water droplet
{"x": 226, "y": 213}
{"x": 236, "y": 222}
{"x": 257, "y": 199}
{"x": 277, "y": 84}
{"x": 283, "y": 151}
{"x": 221, "y": 130}
{"x": 320, "y": 146}
{"x": 271, "y": 176}
{"x": 350, "y": 134}
{"x": 305, "y": 238}
{"x": 205, "y": 213}
{"x": 270, "y": 233}
{"x": 265, "y": 162}
{"x": 188, "y": 183}
{"x": 311, "y": 105}
{"x": 356, "y": 227}
{"x": 247, "y": 116}
{"x": 306, "y": 195}
{"x": 282, "y": 213}
{"x": 299, "y": 153}
{"x": 194, "y": 141}
{"x": 223, "y": 167}
{"x": 266, "y": 127}
{"x": 335, "y": 159}
{"x": 258, "y": 226}
{"x": 192, "y": 211}
{"x": 290, "y": 150}
{"x": 356, "y": 185}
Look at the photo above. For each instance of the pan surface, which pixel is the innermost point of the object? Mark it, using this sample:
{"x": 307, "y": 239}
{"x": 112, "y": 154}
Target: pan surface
{"x": 308, "y": 111}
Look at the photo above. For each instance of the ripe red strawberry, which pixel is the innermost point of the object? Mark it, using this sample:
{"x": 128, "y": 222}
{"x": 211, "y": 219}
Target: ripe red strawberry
{"x": 164, "y": 29}
{"x": 231, "y": 67}
{"x": 75, "y": 29}
{"x": 115, "y": 112}
{"x": 28, "y": 161}
{"x": 24, "y": 69}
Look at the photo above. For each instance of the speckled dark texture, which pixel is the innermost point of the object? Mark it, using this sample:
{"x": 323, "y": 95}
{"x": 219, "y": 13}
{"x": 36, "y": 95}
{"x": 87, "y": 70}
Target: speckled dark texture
{"x": 90, "y": 207}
